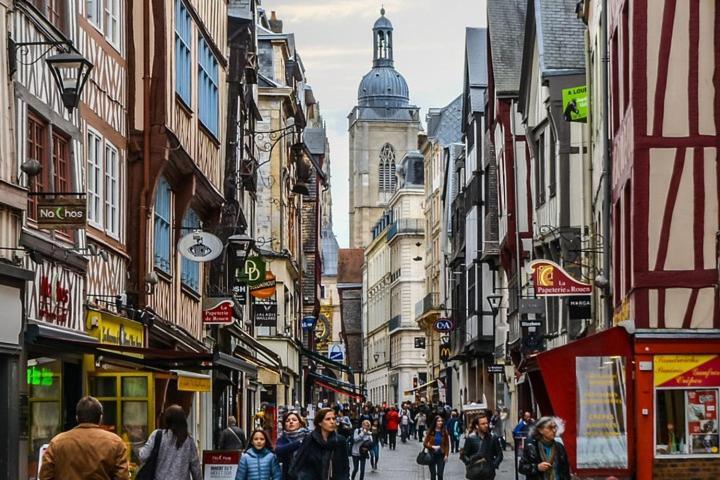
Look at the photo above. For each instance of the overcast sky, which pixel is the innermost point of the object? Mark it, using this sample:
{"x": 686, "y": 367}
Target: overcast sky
{"x": 334, "y": 38}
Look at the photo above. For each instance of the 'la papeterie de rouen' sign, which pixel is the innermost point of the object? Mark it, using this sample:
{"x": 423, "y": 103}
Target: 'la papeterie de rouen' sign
{"x": 62, "y": 213}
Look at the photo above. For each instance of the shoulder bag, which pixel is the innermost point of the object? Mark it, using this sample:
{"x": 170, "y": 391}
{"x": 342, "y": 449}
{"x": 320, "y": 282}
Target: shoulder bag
{"x": 147, "y": 471}
{"x": 424, "y": 457}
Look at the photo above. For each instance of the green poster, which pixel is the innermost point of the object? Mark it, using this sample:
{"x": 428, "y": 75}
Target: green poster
{"x": 575, "y": 104}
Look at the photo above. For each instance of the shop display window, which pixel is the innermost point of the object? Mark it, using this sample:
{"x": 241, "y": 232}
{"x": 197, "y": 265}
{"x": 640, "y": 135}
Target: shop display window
{"x": 127, "y": 405}
{"x": 686, "y": 422}
{"x": 44, "y": 379}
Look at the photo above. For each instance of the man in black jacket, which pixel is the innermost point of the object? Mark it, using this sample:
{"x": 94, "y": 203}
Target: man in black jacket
{"x": 232, "y": 438}
{"x": 482, "y": 454}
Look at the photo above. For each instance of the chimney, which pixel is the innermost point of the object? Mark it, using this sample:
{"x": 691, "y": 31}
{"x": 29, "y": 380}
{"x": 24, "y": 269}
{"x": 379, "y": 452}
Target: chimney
{"x": 275, "y": 24}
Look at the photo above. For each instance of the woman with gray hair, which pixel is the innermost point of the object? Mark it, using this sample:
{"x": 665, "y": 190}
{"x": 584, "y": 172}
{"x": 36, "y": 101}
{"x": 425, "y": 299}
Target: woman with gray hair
{"x": 544, "y": 458}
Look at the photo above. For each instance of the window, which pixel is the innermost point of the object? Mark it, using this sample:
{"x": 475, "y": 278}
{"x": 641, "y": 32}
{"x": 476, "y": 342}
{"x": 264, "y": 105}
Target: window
{"x": 54, "y": 11}
{"x": 61, "y": 162}
{"x": 112, "y": 21}
{"x": 183, "y": 27}
{"x": 615, "y": 88}
{"x": 552, "y": 159}
{"x": 387, "y": 181}
{"x": 94, "y": 179}
{"x": 37, "y": 150}
{"x": 163, "y": 200}
{"x": 540, "y": 169}
{"x": 189, "y": 270}
{"x": 112, "y": 190}
{"x": 686, "y": 422}
{"x": 207, "y": 87}
{"x": 626, "y": 53}
{"x": 93, "y": 11}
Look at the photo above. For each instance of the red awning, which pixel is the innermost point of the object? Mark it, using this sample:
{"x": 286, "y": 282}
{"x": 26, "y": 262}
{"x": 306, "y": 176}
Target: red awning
{"x": 336, "y": 389}
{"x": 552, "y": 377}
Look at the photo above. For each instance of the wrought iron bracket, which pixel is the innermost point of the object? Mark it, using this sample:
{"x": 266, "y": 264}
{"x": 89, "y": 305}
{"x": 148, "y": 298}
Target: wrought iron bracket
{"x": 22, "y": 49}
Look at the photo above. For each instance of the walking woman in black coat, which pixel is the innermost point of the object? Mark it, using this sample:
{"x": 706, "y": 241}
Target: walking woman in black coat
{"x": 323, "y": 453}
{"x": 544, "y": 458}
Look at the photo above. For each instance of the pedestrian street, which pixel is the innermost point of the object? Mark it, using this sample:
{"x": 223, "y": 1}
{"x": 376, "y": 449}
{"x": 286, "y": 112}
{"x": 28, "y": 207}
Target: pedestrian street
{"x": 400, "y": 465}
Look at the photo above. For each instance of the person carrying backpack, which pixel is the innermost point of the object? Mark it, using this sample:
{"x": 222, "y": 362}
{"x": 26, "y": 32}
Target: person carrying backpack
{"x": 362, "y": 443}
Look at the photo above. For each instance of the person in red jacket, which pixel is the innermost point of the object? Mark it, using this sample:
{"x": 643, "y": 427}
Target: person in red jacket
{"x": 392, "y": 421}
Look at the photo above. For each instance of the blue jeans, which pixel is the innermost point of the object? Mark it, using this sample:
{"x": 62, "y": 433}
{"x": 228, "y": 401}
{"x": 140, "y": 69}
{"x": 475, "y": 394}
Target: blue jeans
{"x": 375, "y": 454}
{"x": 437, "y": 467}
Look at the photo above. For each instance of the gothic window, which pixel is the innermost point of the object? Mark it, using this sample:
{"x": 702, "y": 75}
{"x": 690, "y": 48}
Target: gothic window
{"x": 387, "y": 180}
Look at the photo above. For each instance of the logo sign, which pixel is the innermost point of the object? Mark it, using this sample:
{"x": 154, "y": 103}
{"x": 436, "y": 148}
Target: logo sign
{"x": 445, "y": 339}
{"x": 193, "y": 384}
{"x": 580, "y": 307}
{"x": 551, "y": 280}
{"x": 240, "y": 293}
{"x": 532, "y": 306}
{"x": 495, "y": 368}
{"x": 530, "y": 323}
{"x": 444, "y": 352}
{"x": 265, "y": 314}
{"x": 114, "y": 330}
{"x": 575, "y": 104}
{"x": 686, "y": 371}
{"x": 336, "y": 352}
{"x": 220, "y": 465}
{"x": 308, "y": 322}
{"x": 443, "y": 325}
{"x": 217, "y": 311}
{"x": 62, "y": 213}
{"x": 265, "y": 289}
{"x": 200, "y": 246}
{"x": 252, "y": 271}
{"x": 419, "y": 342}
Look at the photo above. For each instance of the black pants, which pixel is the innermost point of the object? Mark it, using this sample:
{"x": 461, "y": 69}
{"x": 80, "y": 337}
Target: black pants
{"x": 455, "y": 443}
{"x": 361, "y": 461}
{"x": 421, "y": 433}
{"x": 437, "y": 467}
{"x": 393, "y": 439}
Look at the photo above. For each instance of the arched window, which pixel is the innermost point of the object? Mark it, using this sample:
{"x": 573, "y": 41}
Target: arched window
{"x": 387, "y": 181}
{"x": 189, "y": 270}
{"x": 163, "y": 220}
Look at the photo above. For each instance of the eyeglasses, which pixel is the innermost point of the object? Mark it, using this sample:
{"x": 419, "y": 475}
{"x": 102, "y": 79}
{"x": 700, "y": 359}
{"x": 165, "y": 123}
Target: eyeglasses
{"x": 552, "y": 427}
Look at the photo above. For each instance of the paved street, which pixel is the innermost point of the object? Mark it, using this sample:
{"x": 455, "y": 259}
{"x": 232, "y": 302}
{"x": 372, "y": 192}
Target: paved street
{"x": 400, "y": 465}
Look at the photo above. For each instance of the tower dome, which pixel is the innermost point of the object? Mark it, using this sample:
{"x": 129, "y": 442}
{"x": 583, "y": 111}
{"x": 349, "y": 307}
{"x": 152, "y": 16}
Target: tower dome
{"x": 383, "y": 86}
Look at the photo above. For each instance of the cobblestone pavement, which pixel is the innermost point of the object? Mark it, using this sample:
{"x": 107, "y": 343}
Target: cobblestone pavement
{"x": 400, "y": 465}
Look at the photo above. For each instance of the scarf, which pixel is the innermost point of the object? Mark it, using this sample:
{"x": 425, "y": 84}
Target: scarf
{"x": 296, "y": 436}
{"x": 549, "y": 457}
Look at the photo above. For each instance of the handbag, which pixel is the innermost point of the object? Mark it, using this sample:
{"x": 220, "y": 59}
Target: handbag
{"x": 424, "y": 457}
{"x": 147, "y": 471}
{"x": 478, "y": 469}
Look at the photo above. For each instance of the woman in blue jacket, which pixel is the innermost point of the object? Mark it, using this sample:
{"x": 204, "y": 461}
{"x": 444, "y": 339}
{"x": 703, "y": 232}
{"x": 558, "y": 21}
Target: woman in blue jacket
{"x": 294, "y": 432}
{"x": 259, "y": 462}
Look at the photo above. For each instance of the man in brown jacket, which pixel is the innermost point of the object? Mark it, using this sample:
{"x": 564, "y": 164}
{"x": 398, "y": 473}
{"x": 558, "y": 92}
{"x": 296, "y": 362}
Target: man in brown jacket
{"x": 87, "y": 452}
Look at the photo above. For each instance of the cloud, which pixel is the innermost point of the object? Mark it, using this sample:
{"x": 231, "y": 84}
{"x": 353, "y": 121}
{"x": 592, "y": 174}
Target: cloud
{"x": 336, "y": 9}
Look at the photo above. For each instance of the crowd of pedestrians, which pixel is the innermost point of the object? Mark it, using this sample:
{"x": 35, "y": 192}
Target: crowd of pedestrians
{"x": 337, "y": 447}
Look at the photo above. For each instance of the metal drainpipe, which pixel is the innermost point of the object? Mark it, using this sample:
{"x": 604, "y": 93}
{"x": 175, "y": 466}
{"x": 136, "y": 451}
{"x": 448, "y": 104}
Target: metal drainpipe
{"x": 607, "y": 170}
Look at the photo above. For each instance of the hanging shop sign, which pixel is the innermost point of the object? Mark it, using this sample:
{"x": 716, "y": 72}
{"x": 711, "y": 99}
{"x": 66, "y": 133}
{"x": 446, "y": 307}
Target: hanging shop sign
{"x": 265, "y": 314}
{"x": 62, "y": 212}
{"x": 444, "y": 325}
{"x": 580, "y": 307}
{"x": 200, "y": 246}
{"x": 220, "y": 465}
{"x": 527, "y": 323}
{"x": 419, "y": 342}
{"x": 308, "y": 322}
{"x": 240, "y": 293}
{"x": 217, "y": 311}
{"x": 336, "y": 352}
{"x": 551, "y": 280}
{"x": 193, "y": 383}
{"x": 252, "y": 272}
{"x": 575, "y": 104}
{"x": 444, "y": 352}
{"x": 601, "y": 412}
{"x": 114, "y": 330}
{"x": 495, "y": 368}
{"x": 264, "y": 289}
{"x": 686, "y": 370}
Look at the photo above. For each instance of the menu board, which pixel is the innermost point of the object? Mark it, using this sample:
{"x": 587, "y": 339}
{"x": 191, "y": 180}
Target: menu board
{"x": 601, "y": 412}
{"x": 702, "y": 420}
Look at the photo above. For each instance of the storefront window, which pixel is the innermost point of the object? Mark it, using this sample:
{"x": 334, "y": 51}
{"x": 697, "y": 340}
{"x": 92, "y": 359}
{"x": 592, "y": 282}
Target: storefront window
{"x": 45, "y": 383}
{"x": 126, "y": 405}
{"x": 686, "y": 422}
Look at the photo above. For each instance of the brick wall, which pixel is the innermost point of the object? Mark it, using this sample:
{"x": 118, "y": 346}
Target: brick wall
{"x": 687, "y": 469}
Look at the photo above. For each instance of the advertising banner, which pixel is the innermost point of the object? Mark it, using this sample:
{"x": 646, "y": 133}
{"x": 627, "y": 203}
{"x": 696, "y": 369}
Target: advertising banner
{"x": 265, "y": 314}
{"x": 686, "y": 370}
{"x": 601, "y": 412}
{"x": 220, "y": 465}
{"x": 575, "y": 104}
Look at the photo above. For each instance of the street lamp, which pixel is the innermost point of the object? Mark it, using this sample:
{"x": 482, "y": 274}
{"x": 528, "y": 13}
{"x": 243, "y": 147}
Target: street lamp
{"x": 241, "y": 244}
{"x": 70, "y": 72}
{"x": 494, "y": 302}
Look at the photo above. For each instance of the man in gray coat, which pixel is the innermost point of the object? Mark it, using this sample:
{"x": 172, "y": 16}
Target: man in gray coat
{"x": 232, "y": 438}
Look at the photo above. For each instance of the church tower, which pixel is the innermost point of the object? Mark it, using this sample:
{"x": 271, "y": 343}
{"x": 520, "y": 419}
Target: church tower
{"x": 382, "y": 127}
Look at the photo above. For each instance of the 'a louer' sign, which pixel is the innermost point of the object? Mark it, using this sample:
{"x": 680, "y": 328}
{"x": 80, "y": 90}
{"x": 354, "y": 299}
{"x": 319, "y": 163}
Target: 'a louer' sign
{"x": 62, "y": 213}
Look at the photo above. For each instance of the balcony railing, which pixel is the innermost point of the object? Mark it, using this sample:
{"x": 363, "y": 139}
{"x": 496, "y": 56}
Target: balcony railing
{"x": 406, "y": 225}
{"x": 431, "y": 301}
{"x": 394, "y": 323}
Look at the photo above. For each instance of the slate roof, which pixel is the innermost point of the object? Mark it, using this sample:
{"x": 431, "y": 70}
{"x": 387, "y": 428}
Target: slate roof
{"x": 506, "y": 27}
{"x": 444, "y": 124}
{"x": 315, "y": 140}
{"x": 240, "y": 9}
{"x": 560, "y": 35}
{"x": 389, "y": 114}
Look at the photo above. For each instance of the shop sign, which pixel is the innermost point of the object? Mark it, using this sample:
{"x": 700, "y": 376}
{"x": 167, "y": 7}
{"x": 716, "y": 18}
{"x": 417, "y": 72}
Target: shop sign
{"x": 39, "y": 376}
{"x": 495, "y": 368}
{"x": 443, "y": 325}
{"x": 240, "y": 293}
{"x": 217, "y": 311}
{"x": 193, "y": 384}
{"x": 253, "y": 271}
{"x": 575, "y": 104}
{"x": 220, "y": 465}
{"x": 580, "y": 308}
{"x": 551, "y": 280}
{"x": 200, "y": 246}
{"x": 336, "y": 352}
{"x": 308, "y": 322}
{"x": 265, "y": 314}
{"x": 62, "y": 212}
{"x": 686, "y": 370}
{"x": 601, "y": 412}
{"x": 419, "y": 342}
{"x": 530, "y": 323}
{"x": 265, "y": 289}
{"x": 54, "y": 305}
{"x": 114, "y": 330}
{"x": 444, "y": 352}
